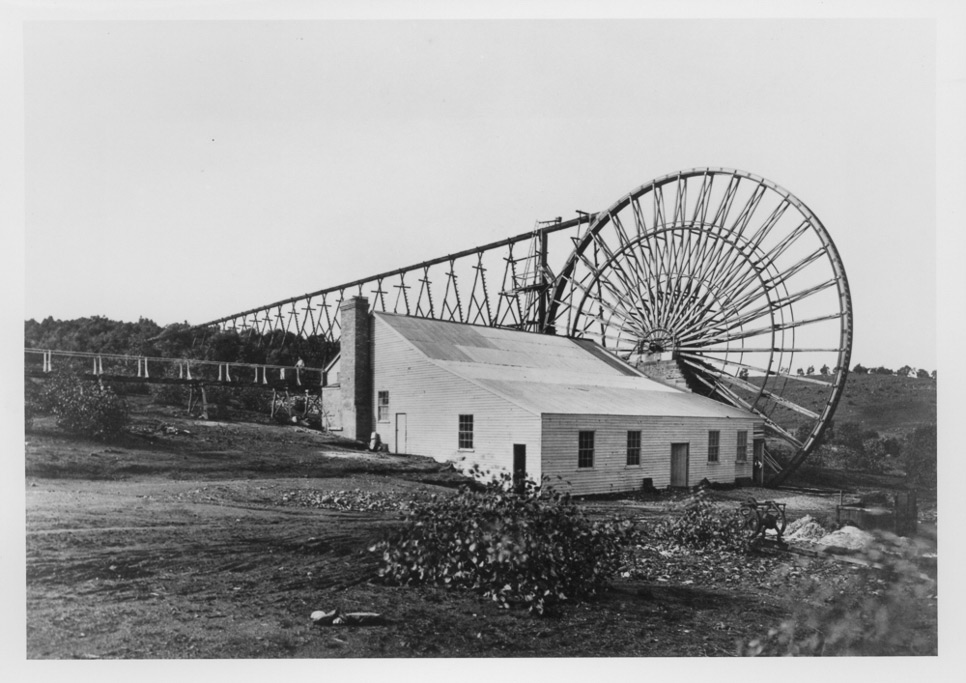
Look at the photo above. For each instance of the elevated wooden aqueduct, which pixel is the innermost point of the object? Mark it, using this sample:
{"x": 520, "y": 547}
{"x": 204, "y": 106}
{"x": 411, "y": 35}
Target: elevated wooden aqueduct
{"x": 719, "y": 272}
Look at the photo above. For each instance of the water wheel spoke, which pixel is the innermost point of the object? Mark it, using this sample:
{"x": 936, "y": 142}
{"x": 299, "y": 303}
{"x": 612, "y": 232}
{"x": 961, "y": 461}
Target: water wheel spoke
{"x": 730, "y": 272}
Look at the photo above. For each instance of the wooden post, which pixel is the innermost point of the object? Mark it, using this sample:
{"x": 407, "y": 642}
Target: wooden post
{"x": 204, "y": 404}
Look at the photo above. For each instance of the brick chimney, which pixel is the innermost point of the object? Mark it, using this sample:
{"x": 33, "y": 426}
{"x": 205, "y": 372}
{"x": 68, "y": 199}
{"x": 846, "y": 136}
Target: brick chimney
{"x": 355, "y": 368}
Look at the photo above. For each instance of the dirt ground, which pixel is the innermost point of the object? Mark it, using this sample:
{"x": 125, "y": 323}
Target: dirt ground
{"x": 194, "y": 539}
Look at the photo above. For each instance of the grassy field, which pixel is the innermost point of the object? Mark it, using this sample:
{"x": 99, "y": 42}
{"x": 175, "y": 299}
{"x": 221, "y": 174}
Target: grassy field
{"x": 892, "y": 406}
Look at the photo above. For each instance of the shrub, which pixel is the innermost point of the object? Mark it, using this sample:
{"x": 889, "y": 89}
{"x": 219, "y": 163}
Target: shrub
{"x": 33, "y": 402}
{"x": 851, "y": 434}
{"x": 254, "y": 399}
{"x": 704, "y": 525}
{"x": 84, "y": 408}
{"x": 131, "y": 388}
{"x": 535, "y": 547}
{"x": 871, "y": 457}
{"x": 877, "y": 612}
{"x": 218, "y": 398}
{"x": 170, "y": 394}
{"x": 919, "y": 456}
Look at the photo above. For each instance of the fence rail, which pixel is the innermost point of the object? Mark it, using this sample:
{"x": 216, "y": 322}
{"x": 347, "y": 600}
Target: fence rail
{"x": 154, "y": 368}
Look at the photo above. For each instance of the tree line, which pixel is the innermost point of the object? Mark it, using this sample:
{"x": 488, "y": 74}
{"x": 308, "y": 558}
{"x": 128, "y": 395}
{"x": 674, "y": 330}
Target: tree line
{"x": 859, "y": 369}
{"x": 98, "y": 334}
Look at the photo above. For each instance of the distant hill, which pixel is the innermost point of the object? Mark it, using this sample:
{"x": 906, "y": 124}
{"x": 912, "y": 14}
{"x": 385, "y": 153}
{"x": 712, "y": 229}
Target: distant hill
{"x": 890, "y": 405}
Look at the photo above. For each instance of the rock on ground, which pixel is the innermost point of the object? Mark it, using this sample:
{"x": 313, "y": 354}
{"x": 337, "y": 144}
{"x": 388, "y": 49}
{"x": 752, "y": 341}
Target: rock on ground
{"x": 849, "y": 537}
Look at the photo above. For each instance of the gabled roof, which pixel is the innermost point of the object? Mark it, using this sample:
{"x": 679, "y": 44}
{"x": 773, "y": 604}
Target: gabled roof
{"x": 549, "y": 374}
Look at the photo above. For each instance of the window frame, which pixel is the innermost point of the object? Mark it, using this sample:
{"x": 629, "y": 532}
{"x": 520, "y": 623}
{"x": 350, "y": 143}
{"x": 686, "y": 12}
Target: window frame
{"x": 464, "y": 435}
{"x": 585, "y": 452}
{"x": 380, "y": 406}
{"x": 714, "y": 445}
{"x": 741, "y": 449}
{"x": 633, "y": 449}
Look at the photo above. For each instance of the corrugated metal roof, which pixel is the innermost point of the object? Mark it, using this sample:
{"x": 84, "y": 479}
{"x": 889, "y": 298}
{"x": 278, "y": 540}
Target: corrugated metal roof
{"x": 448, "y": 341}
{"x": 588, "y": 399}
{"x": 544, "y": 373}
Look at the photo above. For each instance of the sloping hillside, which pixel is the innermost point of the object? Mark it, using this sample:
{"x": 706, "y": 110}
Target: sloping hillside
{"x": 892, "y": 406}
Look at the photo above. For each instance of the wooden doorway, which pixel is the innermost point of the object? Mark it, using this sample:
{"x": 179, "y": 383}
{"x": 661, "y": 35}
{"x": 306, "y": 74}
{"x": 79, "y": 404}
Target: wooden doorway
{"x": 401, "y": 434}
{"x": 519, "y": 466}
{"x": 758, "y": 462}
{"x": 679, "y": 464}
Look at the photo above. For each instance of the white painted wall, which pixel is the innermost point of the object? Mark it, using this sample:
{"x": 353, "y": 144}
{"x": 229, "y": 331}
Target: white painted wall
{"x": 433, "y": 399}
{"x": 611, "y": 473}
{"x": 331, "y": 398}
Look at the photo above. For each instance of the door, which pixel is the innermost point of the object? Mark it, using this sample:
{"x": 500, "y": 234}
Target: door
{"x": 400, "y": 445}
{"x": 679, "y": 464}
{"x": 758, "y": 464}
{"x": 519, "y": 466}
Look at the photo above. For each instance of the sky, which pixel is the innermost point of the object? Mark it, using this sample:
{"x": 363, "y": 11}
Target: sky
{"x": 188, "y": 170}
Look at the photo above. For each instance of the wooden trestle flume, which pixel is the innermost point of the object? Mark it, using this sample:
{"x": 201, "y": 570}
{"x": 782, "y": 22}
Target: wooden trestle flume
{"x": 721, "y": 272}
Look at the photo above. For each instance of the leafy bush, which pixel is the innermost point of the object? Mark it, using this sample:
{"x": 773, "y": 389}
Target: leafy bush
{"x": 885, "y": 611}
{"x": 84, "y": 408}
{"x": 34, "y": 403}
{"x": 535, "y": 547}
{"x": 704, "y": 525}
{"x": 919, "y": 456}
{"x": 873, "y": 457}
{"x": 131, "y": 388}
{"x": 170, "y": 394}
{"x": 254, "y": 399}
{"x": 852, "y": 434}
{"x": 218, "y": 399}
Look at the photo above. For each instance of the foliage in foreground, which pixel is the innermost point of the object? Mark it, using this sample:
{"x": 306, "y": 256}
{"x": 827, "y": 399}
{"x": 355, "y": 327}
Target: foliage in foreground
{"x": 81, "y": 407}
{"x": 535, "y": 547}
{"x": 886, "y": 610}
{"x": 704, "y": 525}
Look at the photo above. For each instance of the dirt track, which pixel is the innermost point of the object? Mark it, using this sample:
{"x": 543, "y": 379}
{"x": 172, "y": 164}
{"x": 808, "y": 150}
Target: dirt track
{"x": 141, "y": 558}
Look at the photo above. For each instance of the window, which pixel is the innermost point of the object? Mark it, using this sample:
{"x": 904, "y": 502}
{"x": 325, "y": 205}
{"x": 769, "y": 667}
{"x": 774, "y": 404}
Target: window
{"x": 382, "y": 407}
{"x": 741, "y": 455}
{"x": 634, "y": 448}
{"x": 714, "y": 438}
{"x": 585, "y": 449}
{"x": 466, "y": 432}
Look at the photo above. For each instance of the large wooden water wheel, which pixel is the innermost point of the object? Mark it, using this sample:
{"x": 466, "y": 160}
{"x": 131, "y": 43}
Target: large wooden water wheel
{"x": 735, "y": 279}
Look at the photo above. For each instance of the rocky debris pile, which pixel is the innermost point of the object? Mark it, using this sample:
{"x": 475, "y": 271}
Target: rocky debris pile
{"x": 805, "y": 529}
{"x": 338, "y": 618}
{"x": 847, "y": 538}
{"x": 153, "y": 428}
{"x": 352, "y": 500}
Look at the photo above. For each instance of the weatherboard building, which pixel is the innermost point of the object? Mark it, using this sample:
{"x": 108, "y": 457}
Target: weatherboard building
{"x": 513, "y": 401}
